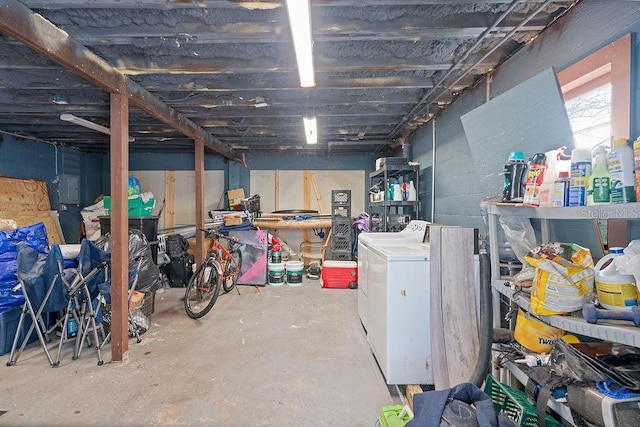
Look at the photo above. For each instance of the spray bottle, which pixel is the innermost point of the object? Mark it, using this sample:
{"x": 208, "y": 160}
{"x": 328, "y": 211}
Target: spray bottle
{"x": 599, "y": 182}
{"x": 534, "y": 179}
{"x": 551, "y": 174}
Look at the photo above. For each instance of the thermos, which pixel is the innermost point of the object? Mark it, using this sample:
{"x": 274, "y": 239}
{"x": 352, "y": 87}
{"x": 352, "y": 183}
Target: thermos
{"x": 514, "y": 175}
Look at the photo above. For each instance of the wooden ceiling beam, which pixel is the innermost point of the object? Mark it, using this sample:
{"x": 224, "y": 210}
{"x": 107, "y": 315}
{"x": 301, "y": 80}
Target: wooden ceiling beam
{"x": 55, "y": 44}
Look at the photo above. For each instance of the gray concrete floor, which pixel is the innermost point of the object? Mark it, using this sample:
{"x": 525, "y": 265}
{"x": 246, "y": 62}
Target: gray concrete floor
{"x": 272, "y": 356}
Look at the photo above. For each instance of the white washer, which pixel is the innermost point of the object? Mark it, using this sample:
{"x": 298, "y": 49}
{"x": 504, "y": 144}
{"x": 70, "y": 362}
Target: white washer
{"x": 398, "y": 312}
{"x": 414, "y": 232}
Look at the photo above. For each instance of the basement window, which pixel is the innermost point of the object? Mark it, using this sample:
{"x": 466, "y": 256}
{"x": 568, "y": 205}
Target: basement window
{"x": 596, "y": 92}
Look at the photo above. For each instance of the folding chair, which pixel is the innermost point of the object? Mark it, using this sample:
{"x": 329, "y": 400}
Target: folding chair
{"x": 40, "y": 277}
{"x": 82, "y": 297}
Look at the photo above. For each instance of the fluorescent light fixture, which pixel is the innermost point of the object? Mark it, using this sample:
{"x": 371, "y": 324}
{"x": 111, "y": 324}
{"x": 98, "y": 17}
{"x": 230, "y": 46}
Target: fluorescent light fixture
{"x": 87, "y": 124}
{"x": 300, "y": 22}
{"x": 310, "y": 129}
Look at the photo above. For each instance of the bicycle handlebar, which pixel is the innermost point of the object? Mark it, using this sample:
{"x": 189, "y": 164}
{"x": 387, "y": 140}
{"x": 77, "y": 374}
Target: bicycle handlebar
{"x": 218, "y": 235}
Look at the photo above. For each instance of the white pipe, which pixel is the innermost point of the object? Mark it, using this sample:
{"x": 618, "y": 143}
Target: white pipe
{"x": 66, "y": 117}
{"x": 433, "y": 170}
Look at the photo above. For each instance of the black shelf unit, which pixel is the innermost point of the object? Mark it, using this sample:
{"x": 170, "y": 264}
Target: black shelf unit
{"x": 389, "y": 215}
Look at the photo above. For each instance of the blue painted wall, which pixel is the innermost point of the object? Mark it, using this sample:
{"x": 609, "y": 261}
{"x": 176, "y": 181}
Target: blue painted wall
{"x": 36, "y": 160}
{"x": 591, "y": 25}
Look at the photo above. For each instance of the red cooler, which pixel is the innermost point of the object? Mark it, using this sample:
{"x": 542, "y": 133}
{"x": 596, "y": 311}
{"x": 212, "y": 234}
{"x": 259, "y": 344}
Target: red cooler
{"x": 340, "y": 274}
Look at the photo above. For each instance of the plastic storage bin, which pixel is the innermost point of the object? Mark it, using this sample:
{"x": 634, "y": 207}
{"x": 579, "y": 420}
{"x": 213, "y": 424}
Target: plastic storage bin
{"x": 8, "y": 327}
{"x": 393, "y": 416}
{"x": 514, "y": 404}
{"x": 137, "y": 207}
{"x": 147, "y": 224}
{"x": 340, "y": 274}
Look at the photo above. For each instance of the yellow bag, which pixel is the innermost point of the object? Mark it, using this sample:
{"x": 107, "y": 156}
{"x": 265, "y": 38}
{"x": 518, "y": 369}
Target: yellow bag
{"x": 561, "y": 286}
{"x": 534, "y": 334}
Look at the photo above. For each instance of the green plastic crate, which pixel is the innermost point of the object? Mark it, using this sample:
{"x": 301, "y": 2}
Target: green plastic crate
{"x": 390, "y": 416}
{"x": 136, "y": 206}
{"x": 514, "y": 404}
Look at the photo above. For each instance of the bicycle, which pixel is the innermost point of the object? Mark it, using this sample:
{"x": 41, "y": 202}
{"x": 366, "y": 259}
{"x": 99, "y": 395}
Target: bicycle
{"x": 221, "y": 267}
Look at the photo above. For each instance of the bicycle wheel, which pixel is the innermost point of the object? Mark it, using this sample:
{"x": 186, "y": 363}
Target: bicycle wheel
{"x": 202, "y": 290}
{"x": 231, "y": 273}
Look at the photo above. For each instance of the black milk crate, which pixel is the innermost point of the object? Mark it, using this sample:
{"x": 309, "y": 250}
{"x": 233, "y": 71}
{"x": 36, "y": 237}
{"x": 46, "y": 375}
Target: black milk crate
{"x": 341, "y": 211}
{"x": 341, "y": 244}
{"x": 341, "y": 227}
{"x": 340, "y": 197}
{"x": 341, "y": 256}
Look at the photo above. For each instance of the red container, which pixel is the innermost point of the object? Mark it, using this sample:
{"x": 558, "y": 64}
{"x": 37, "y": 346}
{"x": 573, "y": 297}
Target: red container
{"x": 340, "y": 274}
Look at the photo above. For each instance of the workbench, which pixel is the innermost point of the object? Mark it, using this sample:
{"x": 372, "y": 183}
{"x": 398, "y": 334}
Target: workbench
{"x": 304, "y": 224}
{"x": 292, "y": 224}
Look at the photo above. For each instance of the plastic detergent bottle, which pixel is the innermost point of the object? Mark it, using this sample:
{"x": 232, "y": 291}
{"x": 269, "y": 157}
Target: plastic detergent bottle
{"x": 579, "y": 176}
{"x": 621, "y": 171}
{"x": 551, "y": 174}
{"x": 397, "y": 191}
{"x": 599, "y": 183}
{"x": 389, "y": 190}
{"x": 636, "y": 159}
{"x": 535, "y": 175}
{"x": 412, "y": 193}
{"x": 615, "y": 291}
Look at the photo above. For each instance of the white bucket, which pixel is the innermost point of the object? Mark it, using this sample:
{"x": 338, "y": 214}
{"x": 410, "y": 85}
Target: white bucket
{"x": 276, "y": 273}
{"x": 294, "y": 272}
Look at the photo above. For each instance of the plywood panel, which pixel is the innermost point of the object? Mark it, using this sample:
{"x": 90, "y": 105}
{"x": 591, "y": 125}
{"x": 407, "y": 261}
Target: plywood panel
{"x": 50, "y": 219}
{"x": 290, "y": 187}
{"x": 185, "y": 203}
{"x": 185, "y": 190}
{"x": 263, "y": 183}
{"x": 23, "y": 194}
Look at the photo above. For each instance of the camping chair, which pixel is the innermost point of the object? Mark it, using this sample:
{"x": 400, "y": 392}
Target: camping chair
{"x": 82, "y": 292}
{"x": 40, "y": 277}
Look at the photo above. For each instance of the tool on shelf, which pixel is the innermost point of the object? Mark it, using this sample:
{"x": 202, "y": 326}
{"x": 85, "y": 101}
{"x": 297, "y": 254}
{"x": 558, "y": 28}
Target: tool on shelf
{"x": 592, "y": 314}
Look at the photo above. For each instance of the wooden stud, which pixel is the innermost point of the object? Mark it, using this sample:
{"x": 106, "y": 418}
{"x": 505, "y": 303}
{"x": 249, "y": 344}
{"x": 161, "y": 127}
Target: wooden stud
{"x": 169, "y": 199}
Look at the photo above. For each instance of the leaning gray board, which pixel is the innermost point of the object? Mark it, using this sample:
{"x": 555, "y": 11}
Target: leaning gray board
{"x": 454, "y": 328}
{"x": 530, "y": 117}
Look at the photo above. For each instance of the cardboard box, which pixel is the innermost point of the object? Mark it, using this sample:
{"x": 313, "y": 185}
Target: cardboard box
{"x": 192, "y": 244}
{"x": 233, "y": 220}
{"x": 235, "y": 197}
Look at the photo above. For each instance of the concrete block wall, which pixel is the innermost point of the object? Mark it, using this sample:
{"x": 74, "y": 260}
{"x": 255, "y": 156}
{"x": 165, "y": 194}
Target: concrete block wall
{"x": 591, "y": 25}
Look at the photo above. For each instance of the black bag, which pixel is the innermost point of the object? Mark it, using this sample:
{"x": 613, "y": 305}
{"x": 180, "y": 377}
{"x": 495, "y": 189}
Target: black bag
{"x": 179, "y": 270}
{"x": 177, "y": 245}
